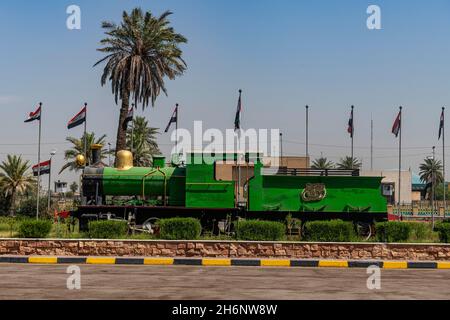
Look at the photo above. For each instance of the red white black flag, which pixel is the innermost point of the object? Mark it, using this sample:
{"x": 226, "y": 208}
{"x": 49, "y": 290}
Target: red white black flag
{"x": 79, "y": 119}
{"x": 397, "y": 124}
{"x": 33, "y": 116}
{"x": 45, "y": 168}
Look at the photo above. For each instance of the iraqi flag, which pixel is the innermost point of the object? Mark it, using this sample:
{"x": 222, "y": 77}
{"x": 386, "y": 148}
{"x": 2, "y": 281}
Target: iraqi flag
{"x": 45, "y": 168}
{"x": 351, "y": 128}
{"x": 441, "y": 124}
{"x": 36, "y": 115}
{"x": 173, "y": 119}
{"x": 79, "y": 119}
{"x": 237, "y": 119}
{"x": 397, "y": 124}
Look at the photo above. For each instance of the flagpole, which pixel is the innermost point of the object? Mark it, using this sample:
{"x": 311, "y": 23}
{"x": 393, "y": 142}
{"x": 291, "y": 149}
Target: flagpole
{"x": 176, "y": 130}
{"x": 371, "y": 144}
{"x": 85, "y": 137}
{"x": 307, "y": 131}
{"x": 400, "y": 163}
{"x": 239, "y": 150}
{"x": 443, "y": 160}
{"x": 132, "y": 130}
{"x": 353, "y": 129}
{"x": 39, "y": 164}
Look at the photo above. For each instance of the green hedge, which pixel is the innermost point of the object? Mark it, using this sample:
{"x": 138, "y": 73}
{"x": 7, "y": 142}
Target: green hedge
{"x": 256, "y": 230}
{"x": 179, "y": 229}
{"x": 420, "y": 231}
{"x": 34, "y": 228}
{"x": 443, "y": 229}
{"x": 107, "y": 229}
{"x": 393, "y": 231}
{"x": 329, "y": 231}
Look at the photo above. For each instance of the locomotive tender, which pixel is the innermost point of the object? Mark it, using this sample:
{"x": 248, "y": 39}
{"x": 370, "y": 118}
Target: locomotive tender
{"x": 214, "y": 188}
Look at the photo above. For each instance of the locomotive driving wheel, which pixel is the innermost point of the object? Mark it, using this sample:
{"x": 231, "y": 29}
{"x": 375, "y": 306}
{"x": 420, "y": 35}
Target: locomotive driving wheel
{"x": 364, "y": 229}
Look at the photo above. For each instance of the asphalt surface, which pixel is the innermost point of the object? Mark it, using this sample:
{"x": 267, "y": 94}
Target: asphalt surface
{"x": 19, "y": 281}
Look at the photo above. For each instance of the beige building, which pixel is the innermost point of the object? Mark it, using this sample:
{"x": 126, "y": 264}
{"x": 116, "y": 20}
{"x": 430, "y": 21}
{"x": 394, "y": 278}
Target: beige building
{"x": 390, "y": 184}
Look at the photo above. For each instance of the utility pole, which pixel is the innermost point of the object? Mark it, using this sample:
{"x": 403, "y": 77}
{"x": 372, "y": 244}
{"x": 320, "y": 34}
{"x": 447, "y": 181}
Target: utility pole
{"x": 281, "y": 148}
{"x": 109, "y": 154}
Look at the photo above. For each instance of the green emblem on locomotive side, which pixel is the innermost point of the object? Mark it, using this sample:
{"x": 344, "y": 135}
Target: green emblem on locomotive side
{"x": 314, "y": 192}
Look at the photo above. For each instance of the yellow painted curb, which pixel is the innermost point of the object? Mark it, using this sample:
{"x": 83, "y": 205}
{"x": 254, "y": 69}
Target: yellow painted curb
{"x": 443, "y": 265}
{"x": 333, "y": 264}
{"x": 158, "y": 261}
{"x": 101, "y": 260}
{"x": 43, "y": 260}
{"x": 216, "y": 262}
{"x": 275, "y": 263}
{"x": 395, "y": 265}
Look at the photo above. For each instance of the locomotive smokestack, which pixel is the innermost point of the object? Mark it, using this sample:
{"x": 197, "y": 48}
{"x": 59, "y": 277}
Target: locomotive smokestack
{"x": 96, "y": 151}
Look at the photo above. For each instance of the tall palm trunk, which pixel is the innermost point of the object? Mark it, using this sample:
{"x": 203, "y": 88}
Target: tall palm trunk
{"x": 12, "y": 209}
{"x": 121, "y": 143}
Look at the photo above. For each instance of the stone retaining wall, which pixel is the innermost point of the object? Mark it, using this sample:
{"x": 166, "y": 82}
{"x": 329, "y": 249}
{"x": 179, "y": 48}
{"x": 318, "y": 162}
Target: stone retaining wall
{"x": 212, "y": 249}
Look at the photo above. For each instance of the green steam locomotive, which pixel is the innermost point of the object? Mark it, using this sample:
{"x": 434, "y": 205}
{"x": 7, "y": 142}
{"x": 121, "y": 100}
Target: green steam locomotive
{"x": 220, "y": 187}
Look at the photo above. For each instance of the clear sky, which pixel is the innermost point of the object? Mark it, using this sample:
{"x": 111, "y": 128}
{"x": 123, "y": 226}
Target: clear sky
{"x": 283, "y": 54}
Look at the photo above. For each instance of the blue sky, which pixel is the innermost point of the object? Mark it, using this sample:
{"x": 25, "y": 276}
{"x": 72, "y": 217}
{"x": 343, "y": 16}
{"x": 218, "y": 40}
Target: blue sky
{"x": 283, "y": 54}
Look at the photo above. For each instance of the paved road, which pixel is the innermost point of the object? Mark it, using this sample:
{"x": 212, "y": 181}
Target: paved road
{"x": 234, "y": 283}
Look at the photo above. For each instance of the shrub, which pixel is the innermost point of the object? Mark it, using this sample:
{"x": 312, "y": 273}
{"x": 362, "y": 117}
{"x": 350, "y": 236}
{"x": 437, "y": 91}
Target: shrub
{"x": 256, "y": 230}
{"x": 444, "y": 232}
{"x": 393, "y": 231}
{"x": 420, "y": 231}
{"x": 107, "y": 229}
{"x": 180, "y": 229}
{"x": 329, "y": 231}
{"x": 34, "y": 228}
{"x": 28, "y": 207}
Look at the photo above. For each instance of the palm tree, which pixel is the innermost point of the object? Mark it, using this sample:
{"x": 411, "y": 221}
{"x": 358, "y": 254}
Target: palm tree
{"x": 349, "y": 163}
{"x": 144, "y": 142}
{"x": 15, "y": 179}
{"x": 78, "y": 148}
{"x": 431, "y": 172}
{"x": 322, "y": 163}
{"x": 140, "y": 53}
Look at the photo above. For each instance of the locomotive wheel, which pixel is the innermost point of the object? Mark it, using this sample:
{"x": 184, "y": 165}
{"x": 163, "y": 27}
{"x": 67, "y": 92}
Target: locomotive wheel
{"x": 364, "y": 229}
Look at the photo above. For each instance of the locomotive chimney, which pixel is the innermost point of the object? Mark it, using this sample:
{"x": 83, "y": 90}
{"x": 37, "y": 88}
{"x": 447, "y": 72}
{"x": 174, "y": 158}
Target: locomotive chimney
{"x": 96, "y": 151}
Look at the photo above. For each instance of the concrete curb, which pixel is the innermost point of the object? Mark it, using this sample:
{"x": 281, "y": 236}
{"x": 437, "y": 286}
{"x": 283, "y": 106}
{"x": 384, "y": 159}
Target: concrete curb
{"x": 224, "y": 262}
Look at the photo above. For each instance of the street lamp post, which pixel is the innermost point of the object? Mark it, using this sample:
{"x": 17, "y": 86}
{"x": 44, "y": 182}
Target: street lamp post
{"x": 433, "y": 190}
{"x": 49, "y": 180}
{"x": 109, "y": 153}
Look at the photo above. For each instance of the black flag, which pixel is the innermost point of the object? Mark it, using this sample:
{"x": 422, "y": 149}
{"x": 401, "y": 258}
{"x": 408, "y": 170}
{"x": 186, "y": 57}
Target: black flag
{"x": 173, "y": 119}
{"x": 237, "y": 120}
{"x": 351, "y": 128}
{"x": 441, "y": 125}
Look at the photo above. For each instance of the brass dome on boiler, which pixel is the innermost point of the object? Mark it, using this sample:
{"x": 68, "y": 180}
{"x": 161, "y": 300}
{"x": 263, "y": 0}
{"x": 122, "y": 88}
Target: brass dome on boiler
{"x": 124, "y": 160}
